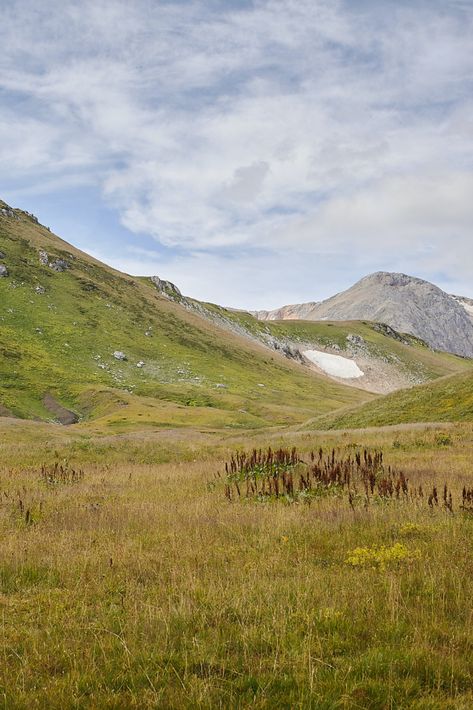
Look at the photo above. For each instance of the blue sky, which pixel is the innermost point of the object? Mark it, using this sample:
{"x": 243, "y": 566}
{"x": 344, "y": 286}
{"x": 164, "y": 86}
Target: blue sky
{"x": 255, "y": 153}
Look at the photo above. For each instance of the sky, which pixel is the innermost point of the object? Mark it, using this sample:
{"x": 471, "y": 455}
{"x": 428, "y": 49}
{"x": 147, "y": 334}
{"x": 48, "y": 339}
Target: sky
{"x": 254, "y": 152}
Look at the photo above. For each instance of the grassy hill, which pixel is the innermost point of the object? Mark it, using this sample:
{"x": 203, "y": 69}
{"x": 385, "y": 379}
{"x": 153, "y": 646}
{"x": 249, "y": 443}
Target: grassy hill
{"x": 403, "y": 360}
{"x": 63, "y": 316}
{"x": 59, "y": 332}
{"x": 448, "y": 399}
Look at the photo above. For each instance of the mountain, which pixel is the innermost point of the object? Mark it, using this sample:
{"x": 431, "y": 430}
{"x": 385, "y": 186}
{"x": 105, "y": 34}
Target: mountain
{"x": 82, "y": 341}
{"x": 407, "y": 304}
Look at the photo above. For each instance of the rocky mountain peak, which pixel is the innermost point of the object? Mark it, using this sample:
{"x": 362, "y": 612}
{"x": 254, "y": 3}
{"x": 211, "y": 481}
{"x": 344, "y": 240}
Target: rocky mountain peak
{"x": 406, "y": 303}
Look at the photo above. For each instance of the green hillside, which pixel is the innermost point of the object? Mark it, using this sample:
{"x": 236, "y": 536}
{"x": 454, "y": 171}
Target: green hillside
{"x": 59, "y": 332}
{"x": 407, "y": 356}
{"x": 407, "y": 352}
{"x": 448, "y": 399}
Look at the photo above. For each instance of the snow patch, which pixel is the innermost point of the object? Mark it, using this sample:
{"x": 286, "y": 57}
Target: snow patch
{"x": 334, "y": 365}
{"x": 467, "y": 306}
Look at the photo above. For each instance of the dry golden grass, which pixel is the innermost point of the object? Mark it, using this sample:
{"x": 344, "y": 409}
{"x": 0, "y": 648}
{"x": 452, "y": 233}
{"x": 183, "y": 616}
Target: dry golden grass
{"x": 142, "y": 586}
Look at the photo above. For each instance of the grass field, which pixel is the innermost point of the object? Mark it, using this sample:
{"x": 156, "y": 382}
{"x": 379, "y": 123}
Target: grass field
{"x": 448, "y": 399}
{"x": 137, "y": 584}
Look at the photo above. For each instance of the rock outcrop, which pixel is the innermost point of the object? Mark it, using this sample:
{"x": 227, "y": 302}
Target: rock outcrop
{"x": 59, "y": 265}
{"x": 7, "y": 211}
{"x": 166, "y": 288}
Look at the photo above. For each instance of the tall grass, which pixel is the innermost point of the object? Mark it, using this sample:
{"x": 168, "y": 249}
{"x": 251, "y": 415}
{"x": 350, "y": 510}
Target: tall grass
{"x": 141, "y": 586}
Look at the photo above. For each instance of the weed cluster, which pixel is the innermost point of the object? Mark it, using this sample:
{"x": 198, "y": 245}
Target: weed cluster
{"x": 60, "y": 474}
{"x": 381, "y": 557}
{"x": 269, "y": 473}
{"x": 361, "y": 476}
{"x": 467, "y": 499}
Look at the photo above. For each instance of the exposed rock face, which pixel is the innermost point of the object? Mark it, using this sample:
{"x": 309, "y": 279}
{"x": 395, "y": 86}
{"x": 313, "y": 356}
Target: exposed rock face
{"x": 466, "y": 303}
{"x": 59, "y": 265}
{"x": 10, "y": 213}
{"x": 3, "y": 270}
{"x": 296, "y": 311}
{"x": 405, "y": 303}
{"x": 7, "y": 212}
{"x": 166, "y": 288}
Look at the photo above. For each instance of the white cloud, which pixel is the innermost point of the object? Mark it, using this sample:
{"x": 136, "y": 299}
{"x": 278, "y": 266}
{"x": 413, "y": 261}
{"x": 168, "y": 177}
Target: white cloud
{"x": 289, "y": 129}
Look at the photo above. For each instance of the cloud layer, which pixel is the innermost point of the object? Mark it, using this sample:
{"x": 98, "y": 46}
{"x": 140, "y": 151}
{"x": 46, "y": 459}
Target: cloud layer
{"x": 267, "y": 140}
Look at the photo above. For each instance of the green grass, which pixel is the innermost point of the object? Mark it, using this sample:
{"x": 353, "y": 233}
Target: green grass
{"x": 141, "y": 586}
{"x": 62, "y": 341}
{"x": 448, "y": 399}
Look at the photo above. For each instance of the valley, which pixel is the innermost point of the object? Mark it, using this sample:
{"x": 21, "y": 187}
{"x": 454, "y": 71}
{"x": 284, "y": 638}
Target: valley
{"x": 143, "y": 567}
{"x": 236, "y": 355}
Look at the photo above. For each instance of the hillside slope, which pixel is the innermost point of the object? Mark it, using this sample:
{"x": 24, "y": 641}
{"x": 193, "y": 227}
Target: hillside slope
{"x": 78, "y": 338}
{"x": 448, "y": 399}
{"x": 407, "y": 304}
{"x": 388, "y": 360}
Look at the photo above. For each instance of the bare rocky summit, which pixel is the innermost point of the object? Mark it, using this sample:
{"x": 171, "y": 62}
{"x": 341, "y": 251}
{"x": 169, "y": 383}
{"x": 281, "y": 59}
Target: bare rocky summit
{"x": 407, "y": 304}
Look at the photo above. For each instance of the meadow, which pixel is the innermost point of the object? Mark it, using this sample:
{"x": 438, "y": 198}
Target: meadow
{"x": 130, "y": 579}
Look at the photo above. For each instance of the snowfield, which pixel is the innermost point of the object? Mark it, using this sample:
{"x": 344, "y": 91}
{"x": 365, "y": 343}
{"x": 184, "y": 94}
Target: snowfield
{"x": 334, "y": 365}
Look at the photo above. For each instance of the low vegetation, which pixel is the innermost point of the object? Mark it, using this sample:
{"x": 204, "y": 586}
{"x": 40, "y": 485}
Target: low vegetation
{"x": 142, "y": 585}
{"x": 361, "y": 478}
{"x": 448, "y": 399}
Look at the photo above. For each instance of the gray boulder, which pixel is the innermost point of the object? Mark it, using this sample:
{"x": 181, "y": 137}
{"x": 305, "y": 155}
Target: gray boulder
{"x": 59, "y": 265}
{"x": 3, "y": 270}
{"x": 118, "y": 355}
{"x": 354, "y": 339}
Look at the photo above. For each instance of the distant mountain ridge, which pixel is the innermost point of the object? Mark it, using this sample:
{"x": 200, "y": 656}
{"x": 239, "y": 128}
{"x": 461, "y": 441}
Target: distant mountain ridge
{"x": 406, "y": 303}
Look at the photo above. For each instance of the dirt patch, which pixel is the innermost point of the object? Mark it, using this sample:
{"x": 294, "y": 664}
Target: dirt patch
{"x": 63, "y": 415}
{"x": 4, "y": 412}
